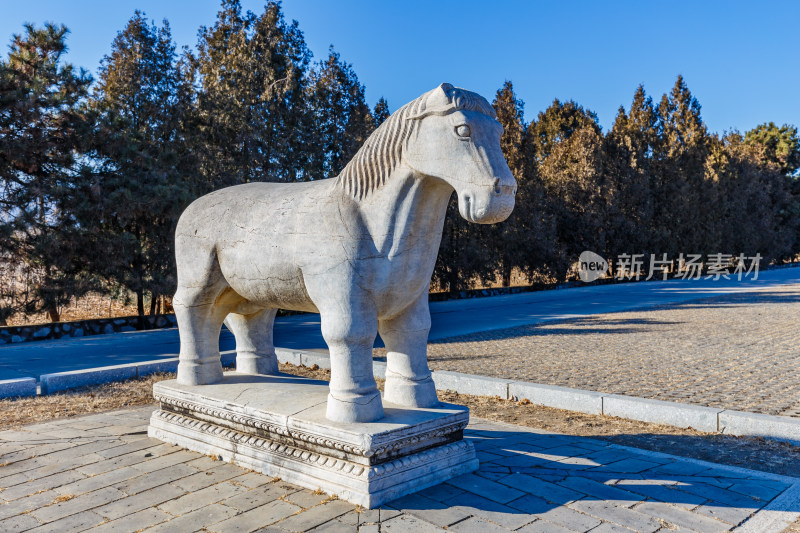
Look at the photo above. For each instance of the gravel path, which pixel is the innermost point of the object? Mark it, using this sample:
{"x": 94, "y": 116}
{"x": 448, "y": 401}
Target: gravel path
{"x": 739, "y": 351}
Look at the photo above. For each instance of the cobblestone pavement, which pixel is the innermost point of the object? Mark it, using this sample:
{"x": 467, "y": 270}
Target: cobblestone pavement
{"x": 739, "y": 352}
{"x": 102, "y": 472}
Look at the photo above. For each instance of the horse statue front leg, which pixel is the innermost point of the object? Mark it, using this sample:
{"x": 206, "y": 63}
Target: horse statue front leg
{"x": 349, "y": 331}
{"x": 408, "y": 378}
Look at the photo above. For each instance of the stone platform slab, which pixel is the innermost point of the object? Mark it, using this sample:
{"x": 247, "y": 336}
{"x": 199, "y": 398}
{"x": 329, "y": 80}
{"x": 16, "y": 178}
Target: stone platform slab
{"x": 277, "y": 425}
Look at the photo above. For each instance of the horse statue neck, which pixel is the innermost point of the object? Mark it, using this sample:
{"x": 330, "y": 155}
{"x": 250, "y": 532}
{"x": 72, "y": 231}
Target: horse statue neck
{"x": 407, "y": 212}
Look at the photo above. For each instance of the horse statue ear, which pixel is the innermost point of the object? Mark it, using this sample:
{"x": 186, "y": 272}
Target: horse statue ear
{"x": 438, "y": 101}
{"x": 440, "y": 97}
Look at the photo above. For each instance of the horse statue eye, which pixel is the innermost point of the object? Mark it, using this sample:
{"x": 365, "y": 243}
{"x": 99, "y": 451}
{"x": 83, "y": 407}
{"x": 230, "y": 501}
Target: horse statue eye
{"x": 462, "y": 130}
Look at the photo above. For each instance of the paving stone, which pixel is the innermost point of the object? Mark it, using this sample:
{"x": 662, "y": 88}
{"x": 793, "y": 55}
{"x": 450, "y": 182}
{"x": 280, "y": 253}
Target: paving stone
{"x": 80, "y": 503}
{"x": 543, "y": 489}
{"x": 508, "y": 517}
{"x": 143, "y": 500}
{"x": 21, "y": 522}
{"x": 682, "y": 517}
{"x": 477, "y": 525}
{"x": 441, "y": 492}
{"x": 758, "y": 490}
{"x": 38, "y": 485}
{"x": 628, "y": 466}
{"x": 335, "y": 526}
{"x": 728, "y": 514}
{"x": 181, "y": 456}
{"x": 492, "y": 490}
{"x": 431, "y": 511}
{"x": 256, "y": 518}
{"x": 369, "y": 528}
{"x": 106, "y": 479}
{"x": 195, "y": 520}
{"x": 219, "y": 472}
{"x": 129, "y": 447}
{"x": 127, "y": 459}
{"x": 720, "y": 495}
{"x": 252, "y": 480}
{"x": 144, "y": 482}
{"x": 543, "y": 526}
{"x": 306, "y": 499}
{"x": 77, "y": 522}
{"x": 316, "y": 516}
{"x": 561, "y": 515}
{"x": 28, "y": 503}
{"x": 197, "y": 499}
{"x": 133, "y": 522}
{"x": 618, "y": 515}
{"x": 409, "y": 524}
{"x": 255, "y": 497}
{"x": 614, "y": 495}
{"x": 664, "y": 493}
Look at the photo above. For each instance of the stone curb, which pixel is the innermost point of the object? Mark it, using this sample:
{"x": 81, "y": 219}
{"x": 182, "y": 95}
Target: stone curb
{"x": 659, "y": 412}
{"x": 559, "y": 397}
{"x": 12, "y": 388}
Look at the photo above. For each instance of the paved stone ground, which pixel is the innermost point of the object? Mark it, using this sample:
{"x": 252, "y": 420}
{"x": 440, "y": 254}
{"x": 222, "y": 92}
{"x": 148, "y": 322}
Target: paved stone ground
{"x": 102, "y": 472}
{"x": 739, "y": 352}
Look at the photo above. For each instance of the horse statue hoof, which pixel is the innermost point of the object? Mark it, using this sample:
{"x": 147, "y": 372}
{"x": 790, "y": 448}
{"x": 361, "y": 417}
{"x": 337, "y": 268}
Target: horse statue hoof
{"x": 407, "y": 392}
{"x": 199, "y": 373}
{"x": 360, "y": 409}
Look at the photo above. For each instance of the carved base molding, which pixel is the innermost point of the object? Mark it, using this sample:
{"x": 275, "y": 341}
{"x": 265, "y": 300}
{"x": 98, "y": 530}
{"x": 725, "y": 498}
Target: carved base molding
{"x": 247, "y": 420}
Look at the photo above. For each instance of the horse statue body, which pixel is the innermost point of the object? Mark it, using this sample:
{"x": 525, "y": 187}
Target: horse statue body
{"x": 359, "y": 249}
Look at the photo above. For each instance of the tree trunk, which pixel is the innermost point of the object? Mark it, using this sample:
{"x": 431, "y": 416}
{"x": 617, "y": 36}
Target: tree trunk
{"x": 140, "y": 302}
{"x": 153, "y": 298}
{"x": 506, "y": 276}
{"x": 53, "y": 314}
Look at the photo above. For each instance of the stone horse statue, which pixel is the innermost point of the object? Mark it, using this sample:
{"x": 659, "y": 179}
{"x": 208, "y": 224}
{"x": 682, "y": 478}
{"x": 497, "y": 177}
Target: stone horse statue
{"x": 358, "y": 248}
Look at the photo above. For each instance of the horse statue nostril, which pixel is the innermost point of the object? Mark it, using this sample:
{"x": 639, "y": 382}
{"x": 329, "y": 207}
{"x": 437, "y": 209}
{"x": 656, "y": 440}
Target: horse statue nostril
{"x": 497, "y": 185}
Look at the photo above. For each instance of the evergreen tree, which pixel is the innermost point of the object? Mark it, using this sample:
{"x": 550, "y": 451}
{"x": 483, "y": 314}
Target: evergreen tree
{"x": 381, "y": 111}
{"x": 341, "y": 117}
{"x": 41, "y": 134}
{"x": 781, "y": 145}
{"x": 140, "y": 183}
{"x": 509, "y": 241}
{"x": 566, "y": 152}
{"x": 628, "y": 166}
{"x": 253, "y": 122}
{"x": 680, "y": 194}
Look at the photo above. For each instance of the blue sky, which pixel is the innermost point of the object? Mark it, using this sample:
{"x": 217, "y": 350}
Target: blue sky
{"x": 740, "y": 59}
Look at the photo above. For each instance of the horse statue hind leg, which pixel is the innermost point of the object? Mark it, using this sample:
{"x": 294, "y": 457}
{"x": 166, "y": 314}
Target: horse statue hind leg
{"x": 204, "y": 301}
{"x": 255, "y": 351}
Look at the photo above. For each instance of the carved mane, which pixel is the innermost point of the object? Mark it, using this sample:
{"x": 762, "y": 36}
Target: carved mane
{"x": 383, "y": 150}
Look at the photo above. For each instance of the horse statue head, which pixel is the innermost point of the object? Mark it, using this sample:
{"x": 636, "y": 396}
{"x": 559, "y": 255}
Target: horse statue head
{"x": 449, "y": 134}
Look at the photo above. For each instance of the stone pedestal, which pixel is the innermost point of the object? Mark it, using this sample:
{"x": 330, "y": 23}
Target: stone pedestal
{"x": 276, "y": 425}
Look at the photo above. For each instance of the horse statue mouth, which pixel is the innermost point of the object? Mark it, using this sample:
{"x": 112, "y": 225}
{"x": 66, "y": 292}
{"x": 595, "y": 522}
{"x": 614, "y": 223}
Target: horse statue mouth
{"x": 497, "y": 209}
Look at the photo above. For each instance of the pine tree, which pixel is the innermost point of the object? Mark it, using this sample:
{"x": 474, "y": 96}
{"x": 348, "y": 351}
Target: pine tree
{"x": 41, "y": 136}
{"x": 381, "y": 111}
{"x": 341, "y": 117}
{"x": 253, "y": 122}
{"x": 628, "y": 166}
{"x": 508, "y": 241}
{"x": 781, "y": 145}
{"x": 681, "y": 196}
{"x": 141, "y": 181}
{"x": 565, "y": 153}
